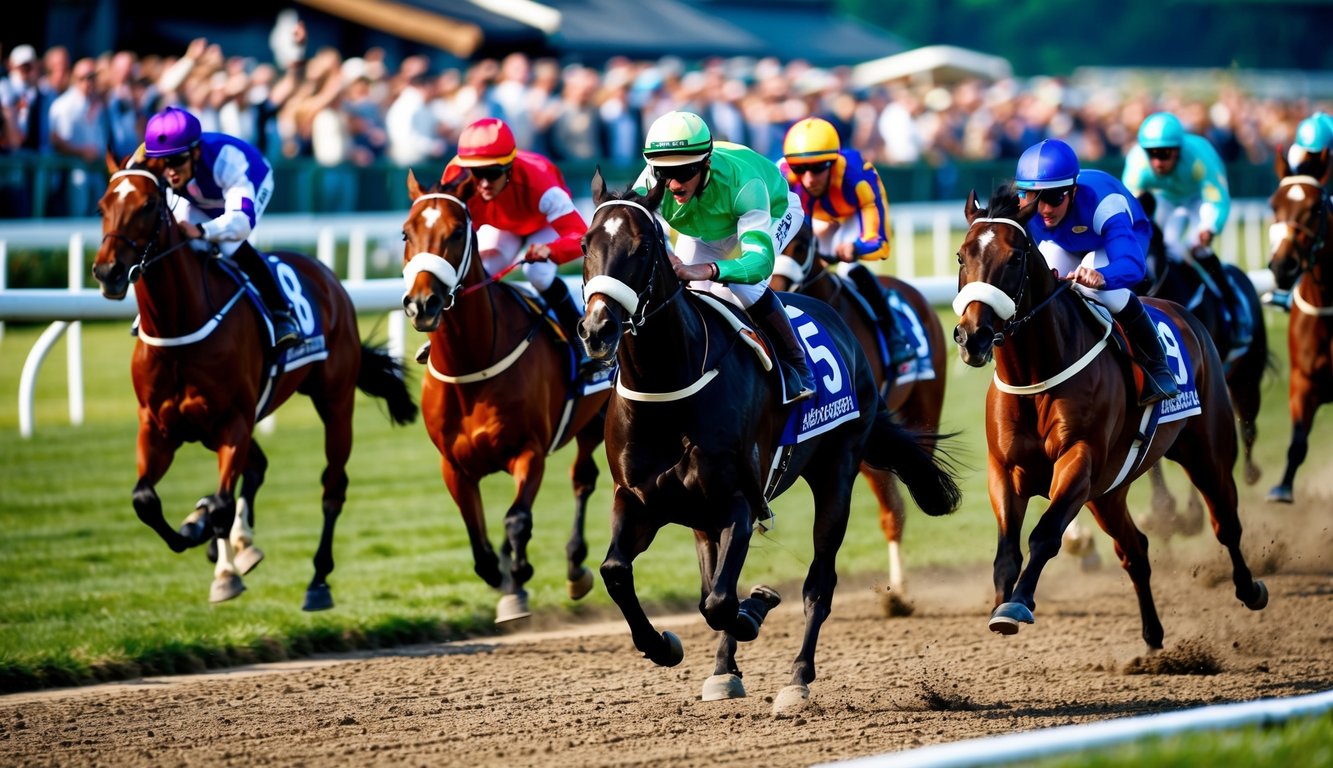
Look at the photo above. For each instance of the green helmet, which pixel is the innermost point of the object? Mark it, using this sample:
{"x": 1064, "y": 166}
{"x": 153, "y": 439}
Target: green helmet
{"x": 1161, "y": 130}
{"x": 677, "y": 138}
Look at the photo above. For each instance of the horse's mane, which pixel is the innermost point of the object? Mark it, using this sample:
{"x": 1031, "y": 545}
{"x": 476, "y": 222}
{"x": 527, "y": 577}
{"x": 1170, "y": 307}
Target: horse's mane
{"x": 1004, "y": 203}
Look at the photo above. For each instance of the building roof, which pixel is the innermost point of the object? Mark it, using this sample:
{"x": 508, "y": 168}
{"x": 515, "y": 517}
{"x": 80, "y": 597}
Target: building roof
{"x": 935, "y": 64}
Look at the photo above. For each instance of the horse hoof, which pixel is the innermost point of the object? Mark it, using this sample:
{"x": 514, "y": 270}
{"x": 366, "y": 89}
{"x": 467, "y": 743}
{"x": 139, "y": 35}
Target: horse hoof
{"x": 791, "y": 700}
{"x": 767, "y": 594}
{"x": 1281, "y": 494}
{"x": 1260, "y": 596}
{"x": 248, "y": 558}
{"x": 580, "y": 587}
{"x": 719, "y": 687}
{"x": 674, "y": 651}
{"x": 318, "y": 598}
{"x": 1006, "y": 616}
{"x": 895, "y": 605}
{"x": 225, "y": 588}
{"x": 1252, "y": 474}
{"x": 512, "y": 607}
{"x": 195, "y": 532}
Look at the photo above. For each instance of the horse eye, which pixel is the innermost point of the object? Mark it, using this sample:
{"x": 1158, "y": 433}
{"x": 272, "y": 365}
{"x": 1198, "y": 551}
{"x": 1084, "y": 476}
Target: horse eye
{"x": 960, "y": 258}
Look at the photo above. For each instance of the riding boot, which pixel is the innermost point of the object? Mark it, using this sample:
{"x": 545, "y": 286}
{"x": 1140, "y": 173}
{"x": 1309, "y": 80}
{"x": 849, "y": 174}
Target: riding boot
{"x": 1158, "y": 381}
{"x": 768, "y": 313}
{"x": 567, "y": 313}
{"x": 901, "y": 350}
{"x": 285, "y": 332}
{"x": 1237, "y": 320}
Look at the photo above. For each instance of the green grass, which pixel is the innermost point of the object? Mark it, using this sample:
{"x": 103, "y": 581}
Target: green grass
{"x": 1299, "y": 742}
{"x": 90, "y": 593}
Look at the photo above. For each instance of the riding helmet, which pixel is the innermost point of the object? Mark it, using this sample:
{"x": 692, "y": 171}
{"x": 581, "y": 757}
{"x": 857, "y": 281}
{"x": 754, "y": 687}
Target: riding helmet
{"x": 1161, "y": 130}
{"x": 170, "y": 132}
{"x": 811, "y": 140}
{"x": 486, "y": 142}
{"x": 677, "y": 138}
{"x": 1047, "y": 165}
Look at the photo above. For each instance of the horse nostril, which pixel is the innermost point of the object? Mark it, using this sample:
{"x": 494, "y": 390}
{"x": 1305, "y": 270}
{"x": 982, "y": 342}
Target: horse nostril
{"x": 959, "y": 335}
{"x": 433, "y": 306}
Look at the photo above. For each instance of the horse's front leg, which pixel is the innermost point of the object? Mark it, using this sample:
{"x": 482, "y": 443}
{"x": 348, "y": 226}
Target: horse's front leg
{"x": 467, "y": 495}
{"x": 1010, "y": 509}
{"x": 528, "y": 468}
{"x": 721, "y": 607}
{"x": 633, "y": 527}
{"x": 1304, "y": 402}
{"x": 578, "y": 577}
{"x": 154, "y": 455}
{"x": 220, "y": 510}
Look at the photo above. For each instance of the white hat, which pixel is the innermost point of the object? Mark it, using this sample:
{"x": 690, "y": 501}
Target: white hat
{"x": 22, "y": 54}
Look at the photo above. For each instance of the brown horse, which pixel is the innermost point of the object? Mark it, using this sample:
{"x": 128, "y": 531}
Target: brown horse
{"x": 1302, "y": 262}
{"x": 203, "y": 372}
{"x": 915, "y": 400}
{"x": 499, "y": 395}
{"x": 1062, "y": 420}
{"x": 694, "y": 437}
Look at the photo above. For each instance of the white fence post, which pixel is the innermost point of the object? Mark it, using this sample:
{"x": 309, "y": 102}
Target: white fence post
{"x": 74, "y": 336}
{"x": 904, "y": 245}
{"x": 327, "y": 247}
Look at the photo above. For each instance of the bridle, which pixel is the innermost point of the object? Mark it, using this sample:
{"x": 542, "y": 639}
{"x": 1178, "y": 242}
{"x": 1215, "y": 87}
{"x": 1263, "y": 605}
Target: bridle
{"x": 437, "y": 265}
{"x": 1004, "y": 305}
{"x": 146, "y": 253}
{"x": 1318, "y": 236}
{"x": 636, "y": 303}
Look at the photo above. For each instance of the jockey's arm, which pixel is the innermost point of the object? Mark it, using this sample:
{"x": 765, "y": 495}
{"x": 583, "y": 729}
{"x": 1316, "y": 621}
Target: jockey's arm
{"x": 238, "y": 219}
{"x": 1211, "y": 174}
{"x": 1125, "y": 259}
{"x": 1138, "y": 174}
{"x": 873, "y": 211}
{"x": 568, "y": 223}
{"x": 753, "y": 224}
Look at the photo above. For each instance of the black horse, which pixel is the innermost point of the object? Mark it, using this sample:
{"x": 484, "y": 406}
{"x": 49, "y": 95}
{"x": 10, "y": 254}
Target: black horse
{"x": 693, "y": 432}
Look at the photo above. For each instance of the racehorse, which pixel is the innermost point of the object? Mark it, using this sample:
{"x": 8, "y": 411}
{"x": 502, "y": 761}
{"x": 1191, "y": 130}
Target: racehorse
{"x": 1186, "y": 285}
{"x": 500, "y": 395}
{"x": 915, "y": 398}
{"x": 1302, "y": 262}
{"x": 1062, "y": 420}
{"x": 692, "y": 438}
{"x": 203, "y": 372}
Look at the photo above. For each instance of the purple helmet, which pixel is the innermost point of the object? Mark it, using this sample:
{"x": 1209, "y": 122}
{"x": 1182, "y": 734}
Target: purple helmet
{"x": 1052, "y": 163}
{"x": 170, "y": 132}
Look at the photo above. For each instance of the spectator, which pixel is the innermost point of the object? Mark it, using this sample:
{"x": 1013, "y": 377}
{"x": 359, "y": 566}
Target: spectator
{"x": 79, "y": 131}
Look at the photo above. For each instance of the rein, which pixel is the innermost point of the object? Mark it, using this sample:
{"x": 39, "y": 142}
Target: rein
{"x": 437, "y": 265}
{"x": 1318, "y": 237}
{"x": 163, "y": 221}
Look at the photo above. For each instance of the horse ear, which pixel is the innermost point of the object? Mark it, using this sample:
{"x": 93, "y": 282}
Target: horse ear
{"x": 598, "y": 185}
{"x": 971, "y": 207}
{"x": 112, "y": 165}
{"x": 413, "y": 187}
{"x": 655, "y": 195}
{"x": 1280, "y": 165}
{"x": 458, "y": 181}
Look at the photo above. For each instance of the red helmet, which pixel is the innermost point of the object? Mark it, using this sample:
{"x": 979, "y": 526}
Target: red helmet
{"x": 486, "y": 142}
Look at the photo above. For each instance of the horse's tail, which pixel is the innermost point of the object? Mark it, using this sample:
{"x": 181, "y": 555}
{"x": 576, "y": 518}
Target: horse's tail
{"x": 928, "y": 474}
{"x": 384, "y": 377}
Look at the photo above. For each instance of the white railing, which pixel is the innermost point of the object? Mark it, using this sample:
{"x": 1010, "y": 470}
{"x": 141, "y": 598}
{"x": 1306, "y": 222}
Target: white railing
{"x": 372, "y": 238}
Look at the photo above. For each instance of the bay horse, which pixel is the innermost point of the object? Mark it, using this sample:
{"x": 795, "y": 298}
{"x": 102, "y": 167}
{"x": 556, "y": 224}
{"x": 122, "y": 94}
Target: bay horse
{"x": 692, "y": 433}
{"x": 1302, "y": 262}
{"x": 499, "y": 395}
{"x": 915, "y": 399}
{"x": 203, "y": 372}
{"x": 1185, "y": 285}
{"x": 1062, "y": 421}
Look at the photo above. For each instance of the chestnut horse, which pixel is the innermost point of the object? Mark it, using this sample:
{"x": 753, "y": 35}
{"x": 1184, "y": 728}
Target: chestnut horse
{"x": 1302, "y": 262}
{"x": 204, "y": 372}
{"x": 692, "y": 438}
{"x": 1062, "y": 420}
{"x": 499, "y": 395}
{"x": 1245, "y": 367}
{"x": 915, "y": 399}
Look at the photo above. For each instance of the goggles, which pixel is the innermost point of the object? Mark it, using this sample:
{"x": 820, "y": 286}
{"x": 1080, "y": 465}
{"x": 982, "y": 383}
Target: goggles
{"x": 1052, "y": 197}
{"x": 177, "y": 160}
{"x": 1163, "y": 153}
{"x": 681, "y": 173}
{"x": 489, "y": 172}
{"x": 804, "y": 168}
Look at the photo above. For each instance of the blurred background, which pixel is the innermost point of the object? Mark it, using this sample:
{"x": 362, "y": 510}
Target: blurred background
{"x": 944, "y": 95}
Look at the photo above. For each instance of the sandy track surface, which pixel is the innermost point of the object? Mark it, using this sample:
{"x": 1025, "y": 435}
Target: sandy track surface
{"x": 580, "y": 695}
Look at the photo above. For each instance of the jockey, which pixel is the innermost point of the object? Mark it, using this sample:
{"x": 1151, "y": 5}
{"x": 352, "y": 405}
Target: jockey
{"x": 220, "y": 187}
{"x": 1308, "y": 155}
{"x": 523, "y": 212}
{"x": 1093, "y": 231}
{"x": 1190, "y": 181}
{"x": 844, "y": 197}
{"x": 733, "y": 213}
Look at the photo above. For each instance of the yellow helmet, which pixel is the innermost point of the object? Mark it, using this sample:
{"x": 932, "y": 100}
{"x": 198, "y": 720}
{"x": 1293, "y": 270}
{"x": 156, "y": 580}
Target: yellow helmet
{"x": 811, "y": 140}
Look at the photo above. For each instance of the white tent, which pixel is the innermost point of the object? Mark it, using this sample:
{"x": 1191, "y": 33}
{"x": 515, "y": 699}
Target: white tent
{"x": 932, "y": 65}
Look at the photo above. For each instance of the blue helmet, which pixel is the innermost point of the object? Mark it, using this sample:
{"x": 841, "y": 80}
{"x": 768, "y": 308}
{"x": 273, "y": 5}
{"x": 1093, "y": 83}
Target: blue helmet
{"x": 1052, "y": 163}
{"x": 1161, "y": 130}
{"x": 170, "y": 132}
{"x": 1315, "y": 133}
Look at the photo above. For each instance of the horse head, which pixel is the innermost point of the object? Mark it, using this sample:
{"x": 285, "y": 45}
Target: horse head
{"x": 136, "y": 226}
{"x": 625, "y": 266}
{"x": 439, "y": 248}
{"x": 999, "y": 274}
{"x": 798, "y": 261}
{"x": 1301, "y": 213}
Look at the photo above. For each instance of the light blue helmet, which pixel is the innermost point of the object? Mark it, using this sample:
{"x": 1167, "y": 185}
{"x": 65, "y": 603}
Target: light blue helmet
{"x": 1052, "y": 163}
{"x": 1315, "y": 133}
{"x": 1161, "y": 130}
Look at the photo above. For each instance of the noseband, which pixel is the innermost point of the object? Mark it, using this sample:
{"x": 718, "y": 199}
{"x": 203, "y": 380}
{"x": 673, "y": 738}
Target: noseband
{"x": 636, "y": 303}
{"x": 1004, "y": 305}
{"x": 435, "y": 264}
{"x": 146, "y": 252}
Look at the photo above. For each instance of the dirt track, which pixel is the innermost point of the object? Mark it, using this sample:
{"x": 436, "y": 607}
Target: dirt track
{"x": 582, "y": 696}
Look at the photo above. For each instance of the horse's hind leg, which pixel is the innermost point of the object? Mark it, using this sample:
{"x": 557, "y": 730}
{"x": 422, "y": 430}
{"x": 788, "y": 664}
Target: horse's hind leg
{"x": 1164, "y": 520}
{"x": 579, "y": 579}
{"x": 632, "y": 530}
{"x": 337, "y": 417}
{"x": 1131, "y": 546}
{"x": 242, "y": 535}
{"x": 892, "y": 516}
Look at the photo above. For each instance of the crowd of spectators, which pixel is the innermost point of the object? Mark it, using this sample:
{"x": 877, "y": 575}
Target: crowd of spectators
{"x": 345, "y": 111}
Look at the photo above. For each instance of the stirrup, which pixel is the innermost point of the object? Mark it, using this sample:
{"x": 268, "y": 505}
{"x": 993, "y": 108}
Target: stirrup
{"x": 794, "y": 388}
{"x": 285, "y": 332}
